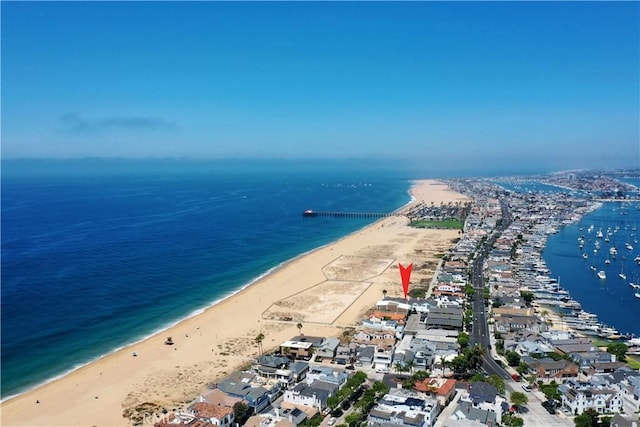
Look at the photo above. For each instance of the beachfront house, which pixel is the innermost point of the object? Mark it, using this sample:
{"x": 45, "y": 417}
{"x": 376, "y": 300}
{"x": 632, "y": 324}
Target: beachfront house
{"x": 328, "y": 349}
{"x": 221, "y": 416}
{"x": 297, "y": 349}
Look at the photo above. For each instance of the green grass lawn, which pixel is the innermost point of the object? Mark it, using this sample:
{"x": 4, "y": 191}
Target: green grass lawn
{"x": 450, "y": 224}
{"x": 633, "y": 362}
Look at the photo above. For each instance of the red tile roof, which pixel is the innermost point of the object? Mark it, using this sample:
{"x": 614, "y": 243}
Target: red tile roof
{"x": 209, "y": 410}
{"x": 431, "y": 385}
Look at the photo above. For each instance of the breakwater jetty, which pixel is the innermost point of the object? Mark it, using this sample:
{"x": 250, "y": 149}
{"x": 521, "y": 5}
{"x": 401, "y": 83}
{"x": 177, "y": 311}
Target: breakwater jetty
{"x": 311, "y": 213}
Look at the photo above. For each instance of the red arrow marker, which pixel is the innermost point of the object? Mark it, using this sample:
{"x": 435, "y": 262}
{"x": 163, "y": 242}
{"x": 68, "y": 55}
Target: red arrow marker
{"x": 405, "y": 274}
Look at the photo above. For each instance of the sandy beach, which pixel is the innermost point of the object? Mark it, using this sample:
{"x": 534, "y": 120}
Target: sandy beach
{"x": 326, "y": 290}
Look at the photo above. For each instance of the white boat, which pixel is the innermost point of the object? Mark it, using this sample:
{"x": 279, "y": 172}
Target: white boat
{"x": 585, "y": 256}
{"x": 622, "y": 275}
{"x": 602, "y": 275}
{"x": 599, "y": 234}
{"x": 628, "y": 246}
{"x": 637, "y": 294}
{"x": 607, "y": 261}
{"x": 613, "y": 251}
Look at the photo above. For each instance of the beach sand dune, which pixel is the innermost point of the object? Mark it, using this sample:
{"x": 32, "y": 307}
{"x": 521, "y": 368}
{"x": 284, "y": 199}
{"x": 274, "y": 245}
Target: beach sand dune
{"x": 326, "y": 290}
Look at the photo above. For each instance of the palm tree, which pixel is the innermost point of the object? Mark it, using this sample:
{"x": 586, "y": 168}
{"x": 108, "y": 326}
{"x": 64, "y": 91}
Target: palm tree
{"x": 384, "y": 294}
{"x": 444, "y": 364}
{"x": 259, "y": 340}
{"x": 561, "y": 314}
{"x": 299, "y": 326}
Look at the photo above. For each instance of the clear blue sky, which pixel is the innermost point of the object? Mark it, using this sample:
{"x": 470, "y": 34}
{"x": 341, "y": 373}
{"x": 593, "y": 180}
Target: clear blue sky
{"x": 538, "y": 83}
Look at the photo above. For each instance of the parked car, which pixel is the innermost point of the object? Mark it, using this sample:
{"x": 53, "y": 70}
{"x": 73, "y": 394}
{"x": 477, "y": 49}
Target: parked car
{"x": 332, "y": 421}
{"x": 515, "y": 377}
{"x": 549, "y": 406}
{"x": 526, "y": 387}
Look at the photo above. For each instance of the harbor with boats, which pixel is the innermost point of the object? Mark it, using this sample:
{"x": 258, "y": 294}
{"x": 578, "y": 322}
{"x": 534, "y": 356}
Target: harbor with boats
{"x": 580, "y": 258}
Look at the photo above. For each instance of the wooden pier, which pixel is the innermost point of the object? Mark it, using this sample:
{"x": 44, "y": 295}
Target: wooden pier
{"x": 312, "y": 214}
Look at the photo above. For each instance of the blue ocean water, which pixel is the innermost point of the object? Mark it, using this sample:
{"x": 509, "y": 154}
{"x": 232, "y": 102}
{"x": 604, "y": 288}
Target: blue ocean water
{"x": 96, "y": 256}
{"x": 611, "y": 299}
{"x": 529, "y": 187}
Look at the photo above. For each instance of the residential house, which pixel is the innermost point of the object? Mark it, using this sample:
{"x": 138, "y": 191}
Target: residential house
{"x": 573, "y": 345}
{"x": 580, "y": 396}
{"x": 624, "y": 379}
{"x": 273, "y": 366}
{"x": 327, "y": 374}
{"x": 311, "y": 395}
{"x": 394, "y": 305}
{"x": 619, "y": 420}
{"x": 239, "y": 385}
{"x": 221, "y": 416}
{"x": 294, "y": 415}
{"x": 484, "y": 397}
{"x": 382, "y": 360}
{"x": 365, "y": 355}
{"x": 548, "y": 369}
{"x": 444, "y": 318}
{"x": 588, "y": 358}
{"x": 345, "y": 354}
{"x": 297, "y": 349}
{"x": 442, "y": 389}
{"x": 286, "y": 415}
{"x": 328, "y": 348}
{"x": 466, "y": 415}
{"x": 512, "y": 323}
{"x": 215, "y": 411}
{"x": 299, "y": 370}
{"x": 404, "y": 408}
{"x": 530, "y": 348}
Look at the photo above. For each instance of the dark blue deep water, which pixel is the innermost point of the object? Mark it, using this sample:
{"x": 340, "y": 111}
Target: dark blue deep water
{"x": 612, "y": 299}
{"x": 96, "y": 256}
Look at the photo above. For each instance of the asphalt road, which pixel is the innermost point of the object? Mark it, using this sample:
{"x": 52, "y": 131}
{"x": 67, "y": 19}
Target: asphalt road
{"x": 480, "y": 330}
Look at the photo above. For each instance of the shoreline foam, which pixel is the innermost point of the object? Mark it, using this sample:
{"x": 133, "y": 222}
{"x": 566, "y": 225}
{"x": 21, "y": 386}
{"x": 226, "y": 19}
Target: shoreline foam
{"x": 15, "y": 410}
